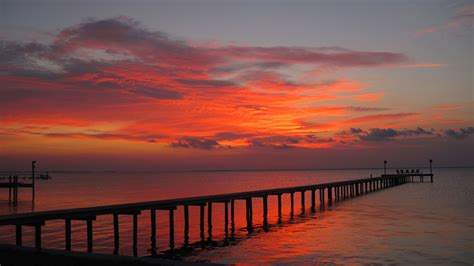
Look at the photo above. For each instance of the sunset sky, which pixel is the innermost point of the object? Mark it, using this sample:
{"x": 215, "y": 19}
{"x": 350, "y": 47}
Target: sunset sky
{"x": 180, "y": 85}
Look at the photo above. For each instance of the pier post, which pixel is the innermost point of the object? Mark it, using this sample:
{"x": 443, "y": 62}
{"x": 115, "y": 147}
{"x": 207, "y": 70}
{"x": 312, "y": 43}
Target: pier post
{"x": 201, "y": 221}
{"x": 153, "y": 231}
{"x": 135, "y": 234}
{"x": 292, "y": 200}
{"x": 10, "y": 189}
{"x": 251, "y": 210}
{"x": 171, "y": 223}
{"x": 265, "y": 210}
{"x": 15, "y": 189}
{"x": 33, "y": 166}
{"x": 232, "y": 221}
{"x": 18, "y": 235}
{"x": 117, "y": 233}
{"x": 248, "y": 206}
{"x": 279, "y": 208}
{"x": 38, "y": 236}
{"x": 302, "y": 202}
{"x": 323, "y": 201}
{"x": 313, "y": 200}
{"x": 186, "y": 225}
{"x": 330, "y": 195}
{"x": 226, "y": 219}
{"x": 67, "y": 237}
{"x": 90, "y": 243}
{"x": 209, "y": 220}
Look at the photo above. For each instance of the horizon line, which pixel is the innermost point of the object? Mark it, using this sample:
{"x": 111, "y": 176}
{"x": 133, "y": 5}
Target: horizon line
{"x": 234, "y": 170}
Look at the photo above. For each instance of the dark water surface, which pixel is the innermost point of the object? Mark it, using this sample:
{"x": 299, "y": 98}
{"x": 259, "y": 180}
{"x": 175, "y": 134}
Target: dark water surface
{"x": 420, "y": 223}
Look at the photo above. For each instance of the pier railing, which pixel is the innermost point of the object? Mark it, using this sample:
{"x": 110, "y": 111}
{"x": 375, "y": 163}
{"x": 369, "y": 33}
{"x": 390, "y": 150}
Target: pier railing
{"x": 333, "y": 191}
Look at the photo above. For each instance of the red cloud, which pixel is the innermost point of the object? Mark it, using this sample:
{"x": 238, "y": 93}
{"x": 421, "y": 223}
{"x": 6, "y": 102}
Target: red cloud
{"x": 115, "y": 80}
{"x": 447, "y": 107}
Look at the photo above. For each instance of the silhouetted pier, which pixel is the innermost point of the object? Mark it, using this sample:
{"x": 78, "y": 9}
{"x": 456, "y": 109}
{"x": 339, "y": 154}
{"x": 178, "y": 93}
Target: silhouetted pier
{"x": 330, "y": 192}
{"x": 14, "y": 184}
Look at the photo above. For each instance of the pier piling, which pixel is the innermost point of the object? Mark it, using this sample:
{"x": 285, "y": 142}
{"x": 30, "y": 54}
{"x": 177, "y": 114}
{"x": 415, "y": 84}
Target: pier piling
{"x": 302, "y": 202}
{"x": 67, "y": 228}
{"x": 153, "y": 231}
{"x": 186, "y": 225}
{"x": 171, "y": 224}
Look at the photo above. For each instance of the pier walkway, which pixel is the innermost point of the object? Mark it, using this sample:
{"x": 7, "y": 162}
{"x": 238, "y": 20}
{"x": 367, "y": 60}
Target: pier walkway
{"x": 329, "y": 192}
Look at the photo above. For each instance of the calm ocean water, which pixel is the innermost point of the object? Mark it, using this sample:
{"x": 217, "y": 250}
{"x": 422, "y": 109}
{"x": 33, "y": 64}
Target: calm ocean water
{"x": 420, "y": 223}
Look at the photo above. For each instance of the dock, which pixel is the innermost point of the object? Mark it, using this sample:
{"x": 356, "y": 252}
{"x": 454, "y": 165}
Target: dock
{"x": 13, "y": 185}
{"x": 328, "y": 194}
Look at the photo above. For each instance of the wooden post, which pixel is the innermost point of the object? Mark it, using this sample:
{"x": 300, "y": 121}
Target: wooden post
{"x": 90, "y": 243}
{"x": 321, "y": 196}
{"x": 68, "y": 234}
{"x": 302, "y": 202}
{"x": 153, "y": 230}
{"x": 10, "y": 184}
{"x": 251, "y": 211}
{"x": 313, "y": 200}
{"x": 265, "y": 210}
{"x": 201, "y": 223}
{"x": 116, "y": 234}
{"x": 33, "y": 166}
{"x": 38, "y": 236}
{"x": 226, "y": 219}
{"x": 14, "y": 189}
{"x": 209, "y": 220}
{"x": 248, "y": 204}
{"x": 135, "y": 234}
{"x": 330, "y": 195}
{"x": 18, "y": 235}
{"x": 186, "y": 225}
{"x": 292, "y": 198}
{"x": 232, "y": 221}
{"x": 279, "y": 208}
{"x": 171, "y": 223}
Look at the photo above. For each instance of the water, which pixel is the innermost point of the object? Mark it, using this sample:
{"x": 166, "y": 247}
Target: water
{"x": 420, "y": 223}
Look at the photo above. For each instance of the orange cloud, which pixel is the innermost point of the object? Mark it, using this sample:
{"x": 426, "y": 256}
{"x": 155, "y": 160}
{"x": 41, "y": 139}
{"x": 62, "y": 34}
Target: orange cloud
{"x": 95, "y": 84}
{"x": 447, "y": 107}
{"x": 369, "y": 97}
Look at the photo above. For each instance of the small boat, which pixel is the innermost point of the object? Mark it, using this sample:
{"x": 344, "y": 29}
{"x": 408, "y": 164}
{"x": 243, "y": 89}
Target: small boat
{"x": 44, "y": 176}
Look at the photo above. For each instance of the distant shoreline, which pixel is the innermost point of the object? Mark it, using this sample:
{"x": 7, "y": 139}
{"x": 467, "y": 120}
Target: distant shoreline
{"x": 237, "y": 170}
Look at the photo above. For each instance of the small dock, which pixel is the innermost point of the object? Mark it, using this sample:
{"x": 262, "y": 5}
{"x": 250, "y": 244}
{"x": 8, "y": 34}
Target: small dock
{"x": 328, "y": 193}
{"x": 14, "y": 184}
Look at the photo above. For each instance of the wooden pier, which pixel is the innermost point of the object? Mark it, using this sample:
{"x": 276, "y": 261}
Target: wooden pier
{"x": 328, "y": 193}
{"x": 14, "y": 184}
